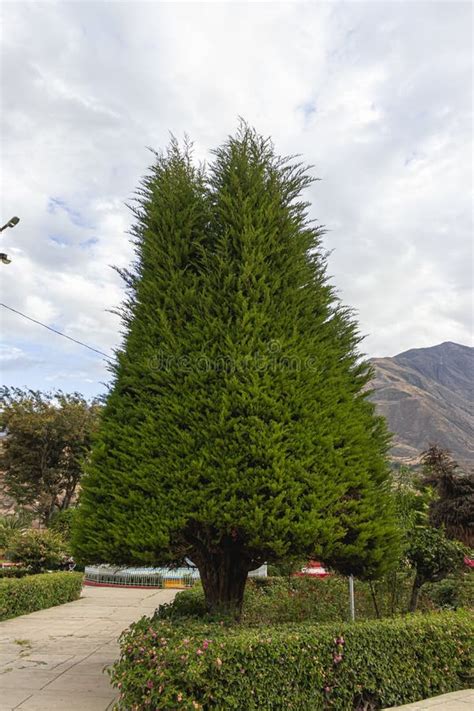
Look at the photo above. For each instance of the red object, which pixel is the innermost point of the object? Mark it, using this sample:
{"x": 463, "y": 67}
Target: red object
{"x": 469, "y": 562}
{"x": 313, "y": 569}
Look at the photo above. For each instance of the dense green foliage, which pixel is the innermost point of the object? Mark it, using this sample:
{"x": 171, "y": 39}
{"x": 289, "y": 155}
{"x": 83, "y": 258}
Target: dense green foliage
{"x": 49, "y": 437}
{"x": 19, "y": 596}
{"x": 425, "y": 549}
{"x": 238, "y": 428}
{"x": 61, "y": 522}
{"x": 452, "y": 592}
{"x": 433, "y": 556}
{"x": 38, "y": 550}
{"x": 276, "y": 600}
{"x": 364, "y": 665}
{"x": 10, "y": 524}
{"x": 14, "y": 572}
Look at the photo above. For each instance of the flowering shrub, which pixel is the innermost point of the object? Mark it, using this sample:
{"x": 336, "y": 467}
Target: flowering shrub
{"x": 38, "y": 550}
{"x": 167, "y": 665}
{"x": 18, "y": 596}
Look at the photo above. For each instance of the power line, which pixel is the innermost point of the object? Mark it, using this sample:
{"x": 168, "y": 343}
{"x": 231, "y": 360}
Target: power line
{"x": 74, "y": 340}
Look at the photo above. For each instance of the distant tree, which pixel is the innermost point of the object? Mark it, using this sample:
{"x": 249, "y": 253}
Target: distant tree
{"x": 433, "y": 557}
{"x": 238, "y": 428}
{"x": 453, "y": 506}
{"x": 48, "y": 437}
{"x": 430, "y": 554}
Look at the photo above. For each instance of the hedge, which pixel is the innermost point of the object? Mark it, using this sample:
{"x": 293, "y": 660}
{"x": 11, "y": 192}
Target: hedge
{"x": 18, "y": 596}
{"x": 14, "y": 572}
{"x": 287, "y": 600}
{"x": 169, "y": 665}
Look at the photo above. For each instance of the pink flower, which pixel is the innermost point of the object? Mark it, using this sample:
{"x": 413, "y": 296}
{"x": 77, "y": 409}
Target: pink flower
{"x": 199, "y": 651}
{"x": 337, "y": 658}
{"x": 149, "y": 684}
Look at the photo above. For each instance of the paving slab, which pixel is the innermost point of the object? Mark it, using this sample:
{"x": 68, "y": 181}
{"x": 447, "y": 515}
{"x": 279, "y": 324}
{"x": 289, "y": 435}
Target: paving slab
{"x": 56, "y": 659}
{"x": 11, "y": 698}
{"x": 54, "y": 701}
{"x": 455, "y": 701}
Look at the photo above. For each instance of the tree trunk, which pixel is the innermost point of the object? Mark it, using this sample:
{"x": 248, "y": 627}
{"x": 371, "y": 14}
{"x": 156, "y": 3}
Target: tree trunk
{"x": 415, "y": 592}
{"x": 223, "y": 576}
{"x": 374, "y": 599}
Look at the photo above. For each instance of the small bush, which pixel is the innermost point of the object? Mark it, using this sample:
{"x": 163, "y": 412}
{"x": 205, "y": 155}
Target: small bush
{"x": 10, "y": 525}
{"x": 36, "y": 592}
{"x": 169, "y": 665}
{"x": 14, "y": 572}
{"x": 38, "y": 550}
{"x": 453, "y": 592}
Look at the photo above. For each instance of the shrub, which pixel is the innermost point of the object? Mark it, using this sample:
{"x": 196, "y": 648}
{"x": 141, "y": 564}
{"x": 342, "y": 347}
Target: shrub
{"x": 36, "y": 592}
{"x": 61, "y": 522}
{"x": 38, "y": 550}
{"x": 277, "y": 600}
{"x": 16, "y": 572}
{"x": 364, "y": 665}
{"x": 452, "y": 592}
{"x": 11, "y": 524}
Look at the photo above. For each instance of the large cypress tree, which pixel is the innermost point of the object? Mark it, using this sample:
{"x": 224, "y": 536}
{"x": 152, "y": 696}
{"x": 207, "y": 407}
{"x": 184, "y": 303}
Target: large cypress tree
{"x": 238, "y": 428}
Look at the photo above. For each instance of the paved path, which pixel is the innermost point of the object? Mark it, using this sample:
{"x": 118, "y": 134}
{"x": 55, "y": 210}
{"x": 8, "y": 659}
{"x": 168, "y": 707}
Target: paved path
{"x": 456, "y": 701}
{"x": 53, "y": 660}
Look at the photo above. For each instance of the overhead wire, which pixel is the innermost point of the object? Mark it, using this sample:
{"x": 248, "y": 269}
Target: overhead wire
{"x": 50, "y": 328}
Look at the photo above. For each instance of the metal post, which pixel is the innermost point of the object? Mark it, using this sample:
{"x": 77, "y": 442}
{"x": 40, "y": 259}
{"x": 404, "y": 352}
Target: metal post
{"x": 351, "y": 597}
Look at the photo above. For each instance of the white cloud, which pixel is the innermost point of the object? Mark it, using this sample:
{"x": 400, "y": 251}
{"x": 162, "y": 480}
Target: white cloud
{"x": 376, "y": 95}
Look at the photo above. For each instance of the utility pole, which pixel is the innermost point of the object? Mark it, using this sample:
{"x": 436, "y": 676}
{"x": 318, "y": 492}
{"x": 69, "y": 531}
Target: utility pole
{"x": 11, "y": 223}
{"x": 351, "y": 597}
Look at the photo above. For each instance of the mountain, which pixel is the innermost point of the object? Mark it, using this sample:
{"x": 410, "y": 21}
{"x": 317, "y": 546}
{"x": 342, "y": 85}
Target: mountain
{"x": 427, "y": 396}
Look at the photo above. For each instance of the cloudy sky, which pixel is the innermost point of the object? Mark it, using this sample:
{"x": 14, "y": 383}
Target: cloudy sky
{"x": 377, "y": 95}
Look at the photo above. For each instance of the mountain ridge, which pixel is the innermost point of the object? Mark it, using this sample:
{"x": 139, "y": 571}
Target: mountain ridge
{"x": 427, "y": 396}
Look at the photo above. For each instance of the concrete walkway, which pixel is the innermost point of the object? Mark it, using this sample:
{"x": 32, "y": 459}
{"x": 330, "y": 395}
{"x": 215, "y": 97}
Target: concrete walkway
{"x": 456, "y": 701}
{"x": 53, "y": 660}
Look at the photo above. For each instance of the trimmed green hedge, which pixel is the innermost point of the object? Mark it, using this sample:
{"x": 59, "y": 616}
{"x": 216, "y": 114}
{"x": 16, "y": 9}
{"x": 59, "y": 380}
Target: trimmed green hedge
{"x": 18, "y": 596}
{"x": 169, "y": 665}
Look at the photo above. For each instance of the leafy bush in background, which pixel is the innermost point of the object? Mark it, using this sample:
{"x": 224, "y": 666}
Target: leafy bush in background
{"x": 169, "y": 665}
{"x": 281, "y": 600}
{"x": 433, "y": 556}
{"x": 38, "y": 550}
{"x": 453, "y": 592}
{"x": 11, "y": 524}
{"x": 36, "y": 592}
{"x": 14, "y": 572}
